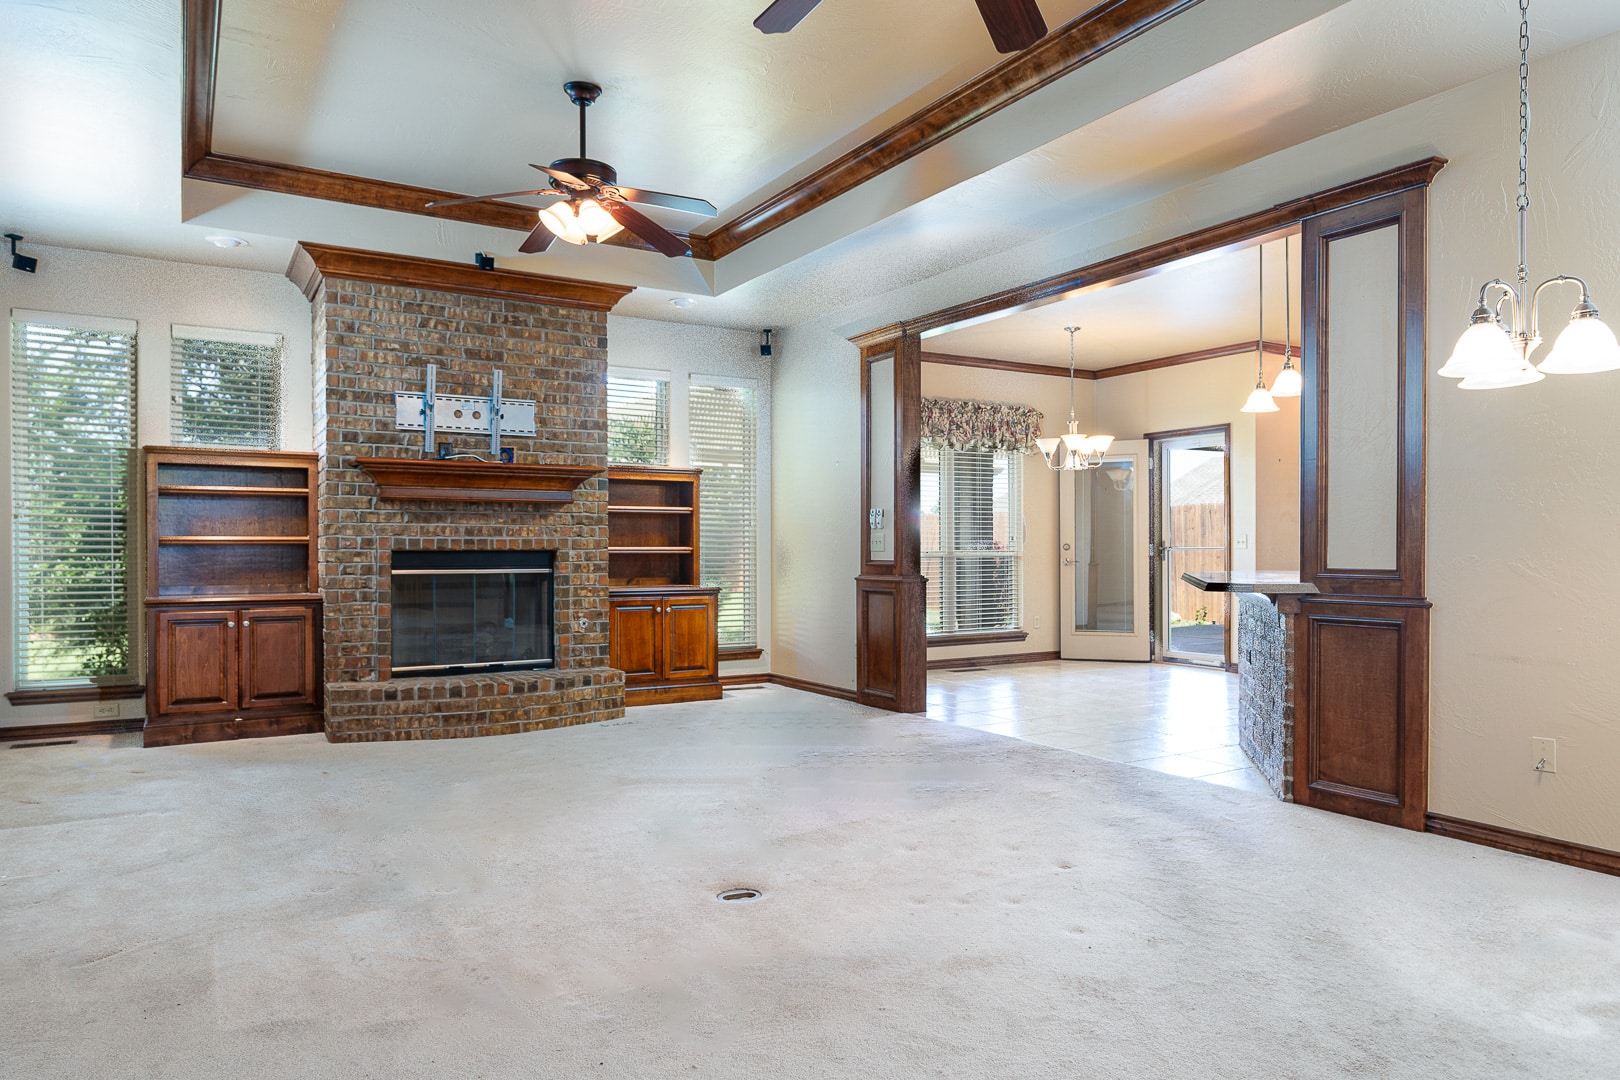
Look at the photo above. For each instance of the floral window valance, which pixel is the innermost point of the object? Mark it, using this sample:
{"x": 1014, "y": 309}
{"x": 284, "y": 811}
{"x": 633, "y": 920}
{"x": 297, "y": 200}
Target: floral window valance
{"x": 954, "y": 424}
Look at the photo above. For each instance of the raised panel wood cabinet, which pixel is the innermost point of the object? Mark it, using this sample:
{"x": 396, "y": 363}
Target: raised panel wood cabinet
{"x": 663, "y": 627}
{"x": 233, "y": 614}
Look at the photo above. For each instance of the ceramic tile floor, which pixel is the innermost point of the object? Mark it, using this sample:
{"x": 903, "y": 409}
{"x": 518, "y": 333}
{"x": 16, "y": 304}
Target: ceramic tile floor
{"x": 1165, "y": 717}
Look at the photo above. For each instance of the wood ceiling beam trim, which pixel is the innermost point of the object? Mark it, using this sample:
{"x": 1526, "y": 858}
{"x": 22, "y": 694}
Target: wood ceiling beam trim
{"x": 313, "y": 263}
{"x": 1071, "y": 47}
{"x": 203, "y": 163}
{"x": 1272, "y": 348}
{"x": 1228, "y": 234}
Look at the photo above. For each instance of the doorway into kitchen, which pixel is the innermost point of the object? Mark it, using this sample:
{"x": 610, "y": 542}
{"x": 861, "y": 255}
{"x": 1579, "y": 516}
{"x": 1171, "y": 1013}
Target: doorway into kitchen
{"x": 1191, "y": 532}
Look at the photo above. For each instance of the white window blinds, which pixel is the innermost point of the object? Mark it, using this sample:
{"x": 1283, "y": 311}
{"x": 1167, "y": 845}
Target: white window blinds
{"x": 72, "y": 433}
{"x": 225, "y": 388}
{"x": 972, "y": 540}
{"x": 638, "y": 420}
{"x": 724, "y": 419}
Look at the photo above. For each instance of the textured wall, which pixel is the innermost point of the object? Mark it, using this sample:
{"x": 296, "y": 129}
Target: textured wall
{"x": 373, "y": 340}
{"x": 1266, "y": 691}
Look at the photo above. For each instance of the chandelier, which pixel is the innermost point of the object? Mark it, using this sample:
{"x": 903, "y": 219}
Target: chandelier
{"x": 1072, "y": 452}
{"x": 1495, "y": 350}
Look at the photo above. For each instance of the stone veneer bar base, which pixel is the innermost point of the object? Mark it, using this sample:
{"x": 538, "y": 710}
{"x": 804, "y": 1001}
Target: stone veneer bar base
{"x": 1266, "y": 690}
{"x": 467, "y": 705}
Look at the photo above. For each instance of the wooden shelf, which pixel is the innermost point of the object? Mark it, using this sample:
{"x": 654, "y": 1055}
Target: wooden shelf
{"x": 212, "y": 489}
{"x": 233, "y": 540}
{"x": 475, "y": 481}
{"x": 649, "y": 551}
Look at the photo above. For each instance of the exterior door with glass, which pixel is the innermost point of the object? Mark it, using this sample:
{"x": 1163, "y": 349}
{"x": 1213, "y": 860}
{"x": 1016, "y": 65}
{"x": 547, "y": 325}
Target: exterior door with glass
{"x": 1194, "y": 535}
{"x": 1103, "y": 558}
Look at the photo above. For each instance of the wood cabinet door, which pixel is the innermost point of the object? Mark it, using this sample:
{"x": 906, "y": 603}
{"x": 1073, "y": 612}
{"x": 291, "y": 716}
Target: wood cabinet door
{"x": 194, "y": 661}
{"x": 689, "y": 638}
{"x": 278, "y": 657}
{"x": 635, "y": 644}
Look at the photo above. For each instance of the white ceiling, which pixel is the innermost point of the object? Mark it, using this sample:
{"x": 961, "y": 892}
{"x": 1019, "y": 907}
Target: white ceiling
{"x": 462, "y": 96}
{"x": 1199, "y": 303}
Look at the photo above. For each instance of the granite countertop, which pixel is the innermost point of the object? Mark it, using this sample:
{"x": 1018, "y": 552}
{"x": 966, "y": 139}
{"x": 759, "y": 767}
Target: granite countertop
{"x": 1269, "y": 582}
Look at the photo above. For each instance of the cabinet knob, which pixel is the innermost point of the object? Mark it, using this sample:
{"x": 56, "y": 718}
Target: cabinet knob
{"x": 244, "y": 622}
{"x": 230, "y": 624}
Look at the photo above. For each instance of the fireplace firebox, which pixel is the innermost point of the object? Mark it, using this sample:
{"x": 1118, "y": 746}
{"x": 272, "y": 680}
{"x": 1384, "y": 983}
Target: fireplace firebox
{"x": 466, "y": 612}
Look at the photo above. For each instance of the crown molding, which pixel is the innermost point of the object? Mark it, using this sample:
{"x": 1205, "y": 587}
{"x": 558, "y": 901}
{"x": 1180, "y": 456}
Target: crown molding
{"x": 1072, "y": 46}
{"x": 313, "y": 263}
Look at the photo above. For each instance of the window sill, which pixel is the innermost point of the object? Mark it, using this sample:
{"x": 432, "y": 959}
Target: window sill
{"x": 740, "y": 653}
{"x": 62, "y": 695}
{"x": 939, "y": 640}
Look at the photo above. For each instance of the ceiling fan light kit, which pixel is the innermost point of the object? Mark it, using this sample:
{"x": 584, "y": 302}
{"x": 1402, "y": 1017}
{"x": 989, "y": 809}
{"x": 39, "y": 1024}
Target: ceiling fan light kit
{"x": 1494, "y": 352}
{"x": 593, "y": 208}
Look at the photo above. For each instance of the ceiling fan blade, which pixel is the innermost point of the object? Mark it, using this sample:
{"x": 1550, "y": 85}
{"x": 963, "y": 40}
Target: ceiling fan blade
{"x": 646, "y": 228}
{"x": 671, "y": 202}
{"x": 482, "y": 198}
{"x": 567, "y": 178}
{"x": 784, "y": 15}
{"x": 1014, "y": 25}
{"x": 537, "y": 241}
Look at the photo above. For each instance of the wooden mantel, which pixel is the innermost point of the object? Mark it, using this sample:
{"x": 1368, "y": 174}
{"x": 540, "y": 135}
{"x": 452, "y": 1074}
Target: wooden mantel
{"x": 452, "y": 480}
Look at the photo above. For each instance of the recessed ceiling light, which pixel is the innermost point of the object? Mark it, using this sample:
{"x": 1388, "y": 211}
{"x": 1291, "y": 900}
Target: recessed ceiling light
{"x": 227, "y": 241}
{"x": 681, "y": 301}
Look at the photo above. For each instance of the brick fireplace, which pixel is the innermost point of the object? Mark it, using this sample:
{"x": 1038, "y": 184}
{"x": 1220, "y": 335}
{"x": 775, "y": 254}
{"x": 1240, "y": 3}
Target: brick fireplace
{"x": 378, "y": 320}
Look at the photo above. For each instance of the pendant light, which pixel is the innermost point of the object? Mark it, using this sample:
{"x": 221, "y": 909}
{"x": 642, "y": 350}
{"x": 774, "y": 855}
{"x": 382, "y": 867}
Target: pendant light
{"x": 1260, "y": 397}
{"x": 1072, "y": 451}
{"x": 1288, "y": 382}
{"x": 1491, "y": 353}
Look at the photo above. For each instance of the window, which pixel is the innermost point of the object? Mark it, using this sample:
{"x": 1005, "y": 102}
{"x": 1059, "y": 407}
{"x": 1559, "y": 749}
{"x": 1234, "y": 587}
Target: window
{"x": 638, "y": 420}
{"x": 72, "y": 433}
{"x": 973, "y": 540}
{"x": 724, "y": 418}
{"x": 225, "y": 388}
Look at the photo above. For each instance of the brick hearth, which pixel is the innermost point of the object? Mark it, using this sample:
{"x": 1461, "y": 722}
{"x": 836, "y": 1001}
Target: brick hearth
{"x": 374, "y": 339}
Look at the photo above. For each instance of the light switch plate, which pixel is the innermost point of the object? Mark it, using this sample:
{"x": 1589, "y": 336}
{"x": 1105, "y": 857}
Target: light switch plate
{"x": 1544, "y": 755}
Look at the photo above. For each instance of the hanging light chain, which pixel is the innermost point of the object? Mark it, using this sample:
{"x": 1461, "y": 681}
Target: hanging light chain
{"x": 1524, "y": 144}
{"x": 1072, "y": 331}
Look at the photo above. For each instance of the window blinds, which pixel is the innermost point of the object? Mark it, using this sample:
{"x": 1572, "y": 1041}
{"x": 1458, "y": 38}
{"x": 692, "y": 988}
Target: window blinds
{"x": 972, "y": 540}
{"x": 724, "y": 423}
{"x": 72, "y": 433}
{"x": 638, "y": 420}
{"x": 225, "y": 388}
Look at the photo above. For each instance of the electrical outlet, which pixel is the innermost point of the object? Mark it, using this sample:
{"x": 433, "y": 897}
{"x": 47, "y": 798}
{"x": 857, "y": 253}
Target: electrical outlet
{"x": 106, "y": 710}
{"x": 1544, "y": 755}
{"x": 1241, "y": 541}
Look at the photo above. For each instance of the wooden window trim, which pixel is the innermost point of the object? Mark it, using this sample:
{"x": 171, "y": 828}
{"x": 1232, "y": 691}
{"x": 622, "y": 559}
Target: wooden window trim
{"x": 939, "y": 640}
{"x": 63, "y": 695}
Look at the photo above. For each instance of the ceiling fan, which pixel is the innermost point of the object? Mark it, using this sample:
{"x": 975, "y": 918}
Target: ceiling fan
{"x": 594, "y": 205}
{"x": 1014, "y": 25}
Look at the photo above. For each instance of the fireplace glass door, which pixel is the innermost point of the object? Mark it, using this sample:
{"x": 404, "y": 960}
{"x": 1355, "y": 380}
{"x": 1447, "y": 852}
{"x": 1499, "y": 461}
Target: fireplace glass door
{"x": 461, "y": 612}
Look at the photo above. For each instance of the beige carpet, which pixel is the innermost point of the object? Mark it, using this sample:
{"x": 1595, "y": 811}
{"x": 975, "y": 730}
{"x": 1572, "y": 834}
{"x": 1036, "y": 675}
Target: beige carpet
{"x": 938, "y": 902}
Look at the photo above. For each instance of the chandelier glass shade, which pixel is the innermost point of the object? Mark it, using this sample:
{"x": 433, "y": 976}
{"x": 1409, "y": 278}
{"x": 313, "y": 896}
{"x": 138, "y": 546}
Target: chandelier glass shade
{"x": 1073, "y": 451}
{"x": 1494, "y": 352}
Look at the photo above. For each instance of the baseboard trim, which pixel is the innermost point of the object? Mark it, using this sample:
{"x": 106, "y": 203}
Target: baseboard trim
{"x": 758, "y": 679}
{"x": 809, "y": 687}
{"x": 993, "y": 661}
{"x": 30, "y": 732}
{"x": 1523, "y": 843}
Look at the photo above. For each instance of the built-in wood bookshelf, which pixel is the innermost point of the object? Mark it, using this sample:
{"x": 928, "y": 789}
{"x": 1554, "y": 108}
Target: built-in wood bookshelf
{"x": 663, "y": 626}
{"x": 231, "y": 594}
